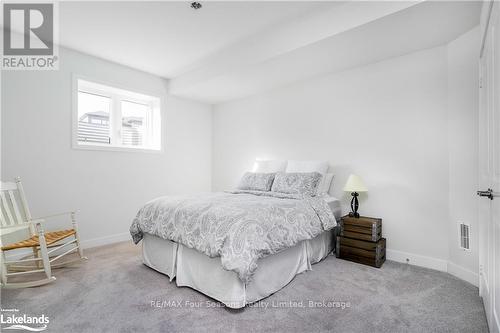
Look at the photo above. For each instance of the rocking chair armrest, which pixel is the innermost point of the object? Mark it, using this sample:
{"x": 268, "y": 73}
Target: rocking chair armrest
{"x": 38, "y": 224}
{"x": 55, "y": 215}
{"x": 37, "y": 221}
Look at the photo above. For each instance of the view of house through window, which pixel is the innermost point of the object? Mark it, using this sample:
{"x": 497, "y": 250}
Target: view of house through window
{"x": 116, "y": 118}
{"x": 134, "y": 122}
{"x": 93, "y": 118}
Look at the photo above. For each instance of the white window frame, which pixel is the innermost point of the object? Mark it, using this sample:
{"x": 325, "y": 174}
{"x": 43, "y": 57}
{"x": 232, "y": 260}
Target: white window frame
{"x": 156, "y": 103}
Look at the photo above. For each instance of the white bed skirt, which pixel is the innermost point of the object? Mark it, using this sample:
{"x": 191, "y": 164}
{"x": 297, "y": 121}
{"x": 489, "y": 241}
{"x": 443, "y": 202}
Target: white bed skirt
{"x": 200, "y": 272}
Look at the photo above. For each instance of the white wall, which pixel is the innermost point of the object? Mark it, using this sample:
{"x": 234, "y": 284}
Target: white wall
{"x": 463, "y": 103}
{"x": 406, "y": 125}
{"x": 388, "y": 122}
{"x": 108, "y": 187}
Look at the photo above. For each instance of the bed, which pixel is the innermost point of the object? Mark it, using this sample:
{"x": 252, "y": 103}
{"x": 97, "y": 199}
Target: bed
{"x": 193, "y": 269}
{"x": 240, "y": 246}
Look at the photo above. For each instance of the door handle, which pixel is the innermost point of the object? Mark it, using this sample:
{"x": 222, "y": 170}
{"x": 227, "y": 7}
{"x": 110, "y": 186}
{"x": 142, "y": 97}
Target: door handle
{"x": 488, "y": 194}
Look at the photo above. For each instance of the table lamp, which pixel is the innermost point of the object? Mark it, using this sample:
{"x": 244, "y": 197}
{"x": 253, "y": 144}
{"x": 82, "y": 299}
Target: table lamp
{"x": 354, "y": 185}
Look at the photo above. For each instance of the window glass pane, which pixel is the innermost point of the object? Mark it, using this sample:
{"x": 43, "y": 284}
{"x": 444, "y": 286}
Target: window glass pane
{"x": 113, "y": 118}
{"x": 93, "y": 118}
{"x": 134, "y": 122}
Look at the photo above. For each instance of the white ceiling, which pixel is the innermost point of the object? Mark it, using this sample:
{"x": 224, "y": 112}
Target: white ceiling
{"x": 165, "y": 38}
{"x": 228, "y": 50}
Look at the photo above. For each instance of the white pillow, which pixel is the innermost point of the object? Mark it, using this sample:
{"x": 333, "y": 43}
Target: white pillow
{"x": 269, "y": 166}
{"x": 325, "y": 184}
{"x": 307, "y": 166}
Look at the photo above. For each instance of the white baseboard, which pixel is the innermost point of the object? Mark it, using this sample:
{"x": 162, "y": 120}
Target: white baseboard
{"x": 417, "y": 260}
{"x": 434, "y": 263}
{"x": 100, "y": 241}
{"x": 394, "y": 255}
{"x": 463, "y": 273}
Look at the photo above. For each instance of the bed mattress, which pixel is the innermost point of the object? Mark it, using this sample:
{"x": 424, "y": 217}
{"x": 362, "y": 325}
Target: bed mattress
{"x": 196, "y": 270}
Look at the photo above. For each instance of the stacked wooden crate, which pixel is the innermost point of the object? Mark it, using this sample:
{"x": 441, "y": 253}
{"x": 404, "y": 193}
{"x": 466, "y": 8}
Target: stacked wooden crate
{"x": 361, "y": 240}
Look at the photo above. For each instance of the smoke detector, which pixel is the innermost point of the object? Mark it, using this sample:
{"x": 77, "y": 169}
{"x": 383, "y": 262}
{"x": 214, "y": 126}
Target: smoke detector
{"x": 196, "y": 5}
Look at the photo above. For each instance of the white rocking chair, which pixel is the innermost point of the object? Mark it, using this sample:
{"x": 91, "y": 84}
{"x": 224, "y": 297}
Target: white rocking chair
{"x": 19, "y": 230}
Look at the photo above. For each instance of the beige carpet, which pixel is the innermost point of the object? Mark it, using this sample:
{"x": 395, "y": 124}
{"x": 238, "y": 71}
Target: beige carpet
{"x": 115, "y": 292}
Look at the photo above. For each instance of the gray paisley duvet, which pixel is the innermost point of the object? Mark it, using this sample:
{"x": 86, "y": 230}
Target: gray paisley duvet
{"x": 239, "y": 226}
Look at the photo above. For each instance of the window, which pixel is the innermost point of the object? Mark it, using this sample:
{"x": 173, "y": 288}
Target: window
{"x": 115, "y": 119}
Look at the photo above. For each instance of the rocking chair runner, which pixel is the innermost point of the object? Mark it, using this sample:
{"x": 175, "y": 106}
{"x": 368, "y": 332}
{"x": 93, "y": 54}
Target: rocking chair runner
{"x": 16, "y": 223}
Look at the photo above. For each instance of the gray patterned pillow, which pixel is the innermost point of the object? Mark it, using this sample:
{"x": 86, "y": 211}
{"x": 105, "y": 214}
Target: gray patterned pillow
{"x": 256, "y": 181}
{"x": 303, "y": 183}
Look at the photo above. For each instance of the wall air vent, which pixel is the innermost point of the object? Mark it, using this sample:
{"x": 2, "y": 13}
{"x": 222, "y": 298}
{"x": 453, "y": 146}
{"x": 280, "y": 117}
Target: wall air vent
{"x": 464, "y": 236}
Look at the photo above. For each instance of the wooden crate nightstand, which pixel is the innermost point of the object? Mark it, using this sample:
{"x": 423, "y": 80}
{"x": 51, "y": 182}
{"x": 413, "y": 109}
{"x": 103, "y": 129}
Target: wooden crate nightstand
{"x": 361, "y": 240}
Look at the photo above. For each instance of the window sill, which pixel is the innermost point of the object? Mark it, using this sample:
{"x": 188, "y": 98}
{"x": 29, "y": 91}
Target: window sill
{"x": 80, "y": 146}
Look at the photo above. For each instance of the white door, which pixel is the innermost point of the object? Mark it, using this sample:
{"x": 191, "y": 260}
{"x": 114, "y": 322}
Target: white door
{"x": 489, "y": 165}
